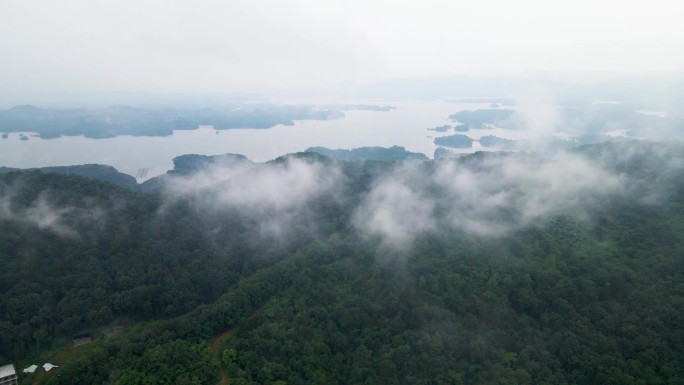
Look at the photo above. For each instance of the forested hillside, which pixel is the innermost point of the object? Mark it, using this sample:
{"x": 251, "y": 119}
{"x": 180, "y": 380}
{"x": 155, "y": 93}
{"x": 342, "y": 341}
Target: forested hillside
{"x": 493, "y": 268}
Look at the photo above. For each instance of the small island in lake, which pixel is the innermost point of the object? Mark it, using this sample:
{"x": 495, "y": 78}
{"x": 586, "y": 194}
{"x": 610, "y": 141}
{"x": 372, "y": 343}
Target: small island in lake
{"x": 495, "y": 141}
{"x": 443, "y": 128}
{"x": 455, "y": 141}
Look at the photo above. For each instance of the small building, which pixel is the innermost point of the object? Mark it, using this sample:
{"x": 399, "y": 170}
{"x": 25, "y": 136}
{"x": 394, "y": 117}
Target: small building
{"x": 31, "y": 369}
{"x": 83, "y": 339}
{"x": 48, "y": 366}
{"x": 8, "y": 376}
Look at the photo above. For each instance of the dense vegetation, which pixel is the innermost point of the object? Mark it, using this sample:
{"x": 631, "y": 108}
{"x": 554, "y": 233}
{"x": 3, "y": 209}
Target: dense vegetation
{"x": 90, "y": 171}
{"x": 579, "y": 296}
{"x": 96, "y": 264}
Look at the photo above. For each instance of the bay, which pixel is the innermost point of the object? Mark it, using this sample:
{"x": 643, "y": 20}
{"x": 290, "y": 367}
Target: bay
{"x": 404, "y": 126}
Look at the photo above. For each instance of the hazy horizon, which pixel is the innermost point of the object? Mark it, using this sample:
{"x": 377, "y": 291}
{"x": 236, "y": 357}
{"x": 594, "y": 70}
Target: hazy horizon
{"x": 57, "y": 51}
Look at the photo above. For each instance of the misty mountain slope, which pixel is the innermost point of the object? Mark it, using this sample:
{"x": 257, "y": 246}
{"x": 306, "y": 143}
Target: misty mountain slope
{"x": 77, "y": 253}
{"x": 550, "y": 305}
{"x": 457, "y": 311}
{"x": 516, "y": 267}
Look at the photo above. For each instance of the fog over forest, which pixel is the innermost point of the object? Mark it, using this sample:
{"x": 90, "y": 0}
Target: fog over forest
{"x": 341, "y": 192}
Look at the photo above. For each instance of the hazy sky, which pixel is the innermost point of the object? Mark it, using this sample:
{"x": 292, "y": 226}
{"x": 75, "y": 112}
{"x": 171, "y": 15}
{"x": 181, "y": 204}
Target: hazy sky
{"x": 244, "y": 45}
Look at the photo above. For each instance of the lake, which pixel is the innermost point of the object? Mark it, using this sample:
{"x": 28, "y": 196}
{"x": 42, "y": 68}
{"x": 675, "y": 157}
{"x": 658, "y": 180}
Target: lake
{"x": 404, "y": 126}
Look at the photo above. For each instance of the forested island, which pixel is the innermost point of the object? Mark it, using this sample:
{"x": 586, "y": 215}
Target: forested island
{"x": 126, "y": 120}
{"x": 489, "y": 268}
{"x": 495, "y": 141}
{"x": 456, "y": 141}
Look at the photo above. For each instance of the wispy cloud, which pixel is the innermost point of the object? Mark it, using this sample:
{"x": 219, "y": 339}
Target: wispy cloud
{"x": 277, "y": 194}
{"x": 397, "y": 207}
{"x": 42, "y": 212}
{"x": 489, "y": 196}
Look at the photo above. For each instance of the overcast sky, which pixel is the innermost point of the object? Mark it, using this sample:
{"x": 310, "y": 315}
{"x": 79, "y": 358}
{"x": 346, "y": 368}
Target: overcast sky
{"x": 257, "y": 45}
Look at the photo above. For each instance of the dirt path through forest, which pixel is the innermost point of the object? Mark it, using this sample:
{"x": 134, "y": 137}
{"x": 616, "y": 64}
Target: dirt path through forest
{"x": 216, "y": 343}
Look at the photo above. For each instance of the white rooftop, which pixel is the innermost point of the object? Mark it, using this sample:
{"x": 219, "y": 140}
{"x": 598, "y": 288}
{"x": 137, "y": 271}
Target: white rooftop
{"x": 31, "y": 369}
{"x": 7, "y": 370}
{"x": 48, "y": 366}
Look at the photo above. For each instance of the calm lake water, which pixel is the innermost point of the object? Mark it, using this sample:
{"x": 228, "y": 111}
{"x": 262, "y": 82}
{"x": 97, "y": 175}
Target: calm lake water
{"x": 405, "y": 126}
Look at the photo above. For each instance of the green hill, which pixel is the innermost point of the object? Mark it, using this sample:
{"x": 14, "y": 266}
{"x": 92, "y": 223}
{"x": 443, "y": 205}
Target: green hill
{"x": 486, "y": 269}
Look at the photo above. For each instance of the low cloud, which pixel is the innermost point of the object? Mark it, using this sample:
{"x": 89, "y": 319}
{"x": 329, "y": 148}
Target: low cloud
{"x": 276, "y": 195}
{"x": 48, "y": 218}
{"x": 539, "y": 114}
{"x": 42, "y": 213}
{"x": 511, "y": 191}
{"x": 396, "y": 209}
{"x": 488, "y": 197}
{"x": 483, "y": 194}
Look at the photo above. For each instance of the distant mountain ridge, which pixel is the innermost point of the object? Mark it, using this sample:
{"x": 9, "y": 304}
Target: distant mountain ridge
{"x": 99, "y": 172}
{"x": 192, "y": 163}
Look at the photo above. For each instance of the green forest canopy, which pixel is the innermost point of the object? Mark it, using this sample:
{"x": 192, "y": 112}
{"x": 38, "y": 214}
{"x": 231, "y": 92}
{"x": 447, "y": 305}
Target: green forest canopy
{"x": 372, "y": 272}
